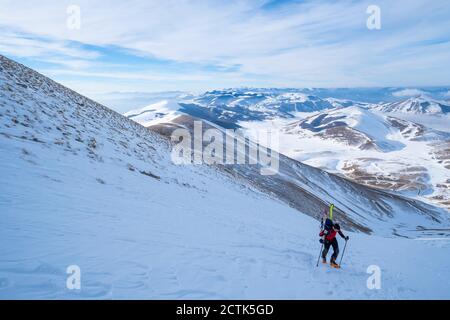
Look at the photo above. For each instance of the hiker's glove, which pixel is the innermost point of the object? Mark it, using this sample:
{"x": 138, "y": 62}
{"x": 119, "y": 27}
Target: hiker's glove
{"x": 346, "y": 238}
{"x": 321, "y": 241}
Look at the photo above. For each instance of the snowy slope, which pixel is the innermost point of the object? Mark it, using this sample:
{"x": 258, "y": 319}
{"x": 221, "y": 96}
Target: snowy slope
{"x": 393, "y": 133}
{"x": 124, "y": 101}
{"x": 230, "y": 106}
{"x": 307, "y": 189}
{"x": 155, "y": 113}
{"x": 430, "y": 113}
{"x": 86, "y": 186}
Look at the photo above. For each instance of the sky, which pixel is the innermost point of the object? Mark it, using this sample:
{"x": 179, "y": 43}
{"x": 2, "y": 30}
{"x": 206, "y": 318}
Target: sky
{"x": 181, "y": 45}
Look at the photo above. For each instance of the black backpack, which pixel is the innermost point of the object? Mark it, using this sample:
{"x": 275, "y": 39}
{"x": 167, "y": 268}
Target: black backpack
{"x": 328, "y": 225}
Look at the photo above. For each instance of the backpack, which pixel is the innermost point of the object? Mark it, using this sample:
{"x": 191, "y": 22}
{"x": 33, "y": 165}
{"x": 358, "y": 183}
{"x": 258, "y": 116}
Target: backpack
{"x": 328, "y": 225}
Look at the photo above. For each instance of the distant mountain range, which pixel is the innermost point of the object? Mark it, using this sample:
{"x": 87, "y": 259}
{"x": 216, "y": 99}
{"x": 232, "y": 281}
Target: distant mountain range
{"x": 401, "y": 146}
{"x": 417, "y": 105}
{"x": 231, "y": 106}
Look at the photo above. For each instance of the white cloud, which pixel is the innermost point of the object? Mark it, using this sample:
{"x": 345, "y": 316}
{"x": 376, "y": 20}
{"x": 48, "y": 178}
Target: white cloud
{"x": 408, "y": 93}
{"x": 58, "y": 52}
{"x": 24, "y": 47}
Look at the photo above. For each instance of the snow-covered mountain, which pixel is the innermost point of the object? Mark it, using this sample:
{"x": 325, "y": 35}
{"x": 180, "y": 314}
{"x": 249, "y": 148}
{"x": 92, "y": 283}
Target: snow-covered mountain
{"x": 354, "y": 126}
{"x": 371, "y": 148}
{"x": 364, "y": 129}
{"x": 304, "y": 187}
{"x": 313, "y": 190}
{"x": 334, "y": 135}
{"x": 161, "y": 111}
{"x": 230, "y": 106}
{"x": 416, "y": 105}
{"x": 378, "y": 95}
{"x": 227, "y": 107}
{"x": 124, "y": 101}
{"x": 85, "y": 186}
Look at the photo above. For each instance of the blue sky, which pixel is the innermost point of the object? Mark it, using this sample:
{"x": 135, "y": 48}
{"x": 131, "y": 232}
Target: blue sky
{"x": 149, "y": 46}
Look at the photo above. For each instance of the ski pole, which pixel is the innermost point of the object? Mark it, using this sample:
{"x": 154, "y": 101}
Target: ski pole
{"x": 318, "y": 259}
{"x": 343, "y": 251}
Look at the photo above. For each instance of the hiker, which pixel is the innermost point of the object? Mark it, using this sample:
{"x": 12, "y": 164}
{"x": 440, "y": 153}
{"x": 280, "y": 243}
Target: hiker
{"x": 329, "y": 239}
{"x": 327, "y": 220}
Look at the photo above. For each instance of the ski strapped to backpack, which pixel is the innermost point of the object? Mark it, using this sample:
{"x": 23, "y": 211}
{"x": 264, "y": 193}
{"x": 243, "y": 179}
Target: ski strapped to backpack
{"x": 326, "y": 226}
{"x": 328, "y": 220}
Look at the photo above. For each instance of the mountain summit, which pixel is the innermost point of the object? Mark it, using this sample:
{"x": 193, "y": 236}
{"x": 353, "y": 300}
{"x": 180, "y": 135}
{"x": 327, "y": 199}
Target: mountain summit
{"x": 417, "y": 105}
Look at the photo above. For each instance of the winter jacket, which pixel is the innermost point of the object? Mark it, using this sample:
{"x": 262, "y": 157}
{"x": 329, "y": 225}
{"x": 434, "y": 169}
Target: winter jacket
{"x": 331, "y": 234}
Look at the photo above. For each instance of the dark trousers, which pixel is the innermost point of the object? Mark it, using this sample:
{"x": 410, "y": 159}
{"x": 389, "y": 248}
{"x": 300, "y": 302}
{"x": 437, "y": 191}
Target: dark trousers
{"x": 326, "y": 247}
